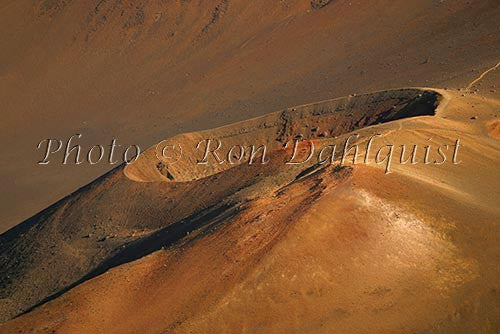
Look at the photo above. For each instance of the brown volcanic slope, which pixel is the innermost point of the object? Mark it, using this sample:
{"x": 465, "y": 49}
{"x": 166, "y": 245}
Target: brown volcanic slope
{"x": 154, "y": 248}
{"x": 96, "y": 227}
{"x": 278, "y": 248}
{"x": 141, "y": 71}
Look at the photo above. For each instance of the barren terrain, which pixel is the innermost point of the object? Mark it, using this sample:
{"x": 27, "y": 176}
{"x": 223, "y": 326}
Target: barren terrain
{"x": 181, "y": 247}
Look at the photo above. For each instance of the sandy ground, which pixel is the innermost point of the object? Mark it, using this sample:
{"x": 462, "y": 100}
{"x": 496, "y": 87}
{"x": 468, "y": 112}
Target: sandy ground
{"x": 251, "y": 249}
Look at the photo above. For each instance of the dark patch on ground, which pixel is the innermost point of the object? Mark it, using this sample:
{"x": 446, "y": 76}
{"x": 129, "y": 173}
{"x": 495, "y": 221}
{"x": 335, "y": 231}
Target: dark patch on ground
{"x": 164, "y": 238}
{"x": 163, "y": 169}
{"x": 51, "y": 7}
{"x": 318, "y": 4}
{"x": 219, "y": 10}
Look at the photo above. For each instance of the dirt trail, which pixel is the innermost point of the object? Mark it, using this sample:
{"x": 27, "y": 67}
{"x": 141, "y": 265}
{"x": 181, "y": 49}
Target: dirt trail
{"x": 485, "y": 73}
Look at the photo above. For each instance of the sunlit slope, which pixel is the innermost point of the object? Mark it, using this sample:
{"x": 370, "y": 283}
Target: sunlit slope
{"x": 311, "y": 248}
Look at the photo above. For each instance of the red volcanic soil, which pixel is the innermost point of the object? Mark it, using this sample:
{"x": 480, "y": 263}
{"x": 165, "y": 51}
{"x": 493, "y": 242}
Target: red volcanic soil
{"x": 161, "y": 247}
{"x": 276, "y": 247}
